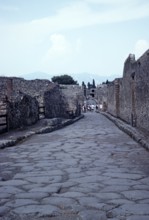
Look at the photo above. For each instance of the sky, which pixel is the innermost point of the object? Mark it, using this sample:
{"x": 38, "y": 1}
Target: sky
{"x": 71, "y": 36}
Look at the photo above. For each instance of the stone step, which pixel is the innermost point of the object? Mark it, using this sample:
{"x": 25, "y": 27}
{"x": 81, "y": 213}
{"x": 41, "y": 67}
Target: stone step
{"x": 3, "y": 120}
{"x": 2, "y": 128}
{"x": 3, "y": 105}
{"x": 3, "y": 112}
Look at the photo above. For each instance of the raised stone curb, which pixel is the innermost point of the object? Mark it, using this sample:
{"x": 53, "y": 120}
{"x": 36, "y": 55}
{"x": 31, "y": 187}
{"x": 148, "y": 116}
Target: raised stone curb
{"x": 128, "y": 129}
{"x": 48, "y": 129}
{"x": 9, "y": 143}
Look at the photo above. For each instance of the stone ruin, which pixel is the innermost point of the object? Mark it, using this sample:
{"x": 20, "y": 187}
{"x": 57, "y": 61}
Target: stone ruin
{"x": 24, "y": 102}
{"x": 128, "y": 97}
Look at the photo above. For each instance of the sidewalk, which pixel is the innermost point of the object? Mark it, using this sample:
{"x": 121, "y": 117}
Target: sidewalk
{"x": 13, "y": 137}
{"x": 137, "y": 135}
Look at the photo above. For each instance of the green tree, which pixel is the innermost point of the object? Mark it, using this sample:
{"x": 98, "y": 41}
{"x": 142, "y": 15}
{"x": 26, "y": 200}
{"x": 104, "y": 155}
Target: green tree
{"x": 83, "y": 84}
{"x": 84, "y": 88}
{"x": 93, "y": 85}
{"x": 64, "y": 80}
{"x": 89, "y": 85}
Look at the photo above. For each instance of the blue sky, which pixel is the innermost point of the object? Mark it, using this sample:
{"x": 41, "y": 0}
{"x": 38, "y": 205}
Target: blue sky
{"x": 71, "y": 36}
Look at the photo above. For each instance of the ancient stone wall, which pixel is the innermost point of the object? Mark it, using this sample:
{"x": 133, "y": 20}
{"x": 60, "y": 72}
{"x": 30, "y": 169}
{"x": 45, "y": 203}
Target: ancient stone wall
{"x": 3, "y": 113}
{"x": 26, "y": 97}
{"x": 127, "y": 90}
{"x": 111, "y": 99}
{"x": 22, "y": 112}
{"x": 74, "y": 96}
{"x": 55, "y": 103}
{"x": 128, "y": 98}
{"x": 141, "y": 77}
{"x": 101, "y": 94}
{"x": 13, "y": 87}
{"x": 5, "y": 86}
{"x": 21, "y": 105}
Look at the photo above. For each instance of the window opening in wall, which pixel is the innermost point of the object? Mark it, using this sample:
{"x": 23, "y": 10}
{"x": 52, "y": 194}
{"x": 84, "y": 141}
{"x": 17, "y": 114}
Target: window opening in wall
{"x": 139, "y": 64}
{"x": 133, "y": 75}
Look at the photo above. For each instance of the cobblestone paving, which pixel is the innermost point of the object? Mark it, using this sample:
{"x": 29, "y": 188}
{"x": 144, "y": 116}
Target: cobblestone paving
{"x": 89, "y": 170}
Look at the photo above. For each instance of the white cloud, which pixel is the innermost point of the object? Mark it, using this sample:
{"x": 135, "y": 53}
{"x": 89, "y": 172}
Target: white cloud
{"x": 140, "y": 47}
{"x": 81, "y": 14}
{"x": 59, "y": 48}
{"x": 76, "y": 15}
{"x": 62, "y": 50}
{"x": 58, "y": 54}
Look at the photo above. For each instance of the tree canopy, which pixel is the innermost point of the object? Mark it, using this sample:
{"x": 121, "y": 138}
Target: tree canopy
{"x": 93, "y": 85}
{"x": 90, "y": 86}
{"x": 64, "y": 80}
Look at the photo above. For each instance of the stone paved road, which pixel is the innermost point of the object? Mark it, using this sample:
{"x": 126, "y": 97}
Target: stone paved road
{"x": 89, "y": 170}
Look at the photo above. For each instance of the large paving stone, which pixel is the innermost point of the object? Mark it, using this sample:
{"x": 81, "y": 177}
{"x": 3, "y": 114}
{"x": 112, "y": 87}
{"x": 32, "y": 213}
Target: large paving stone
{"x": 32, "y": 195}
{"x": 59, "y": 201}
{"x": 20, "y": 202}
{"x": 106, "y": 196}
{"x": 114, "y": 188}
{"x": 136, "y": 217}
{"x": 88, "y": 201}
{"x": 46, "y": 189}
{"x": 120, "y": 201}
{"x": 10, "y": 189}
{"x": 3, "y": 211}
{"x": 124, "y": 175}
{"x": 133, "y": 209}
{"x": 39, "y": 179}
{"x": 136, "y": 194}
{"x": 72, "y": 194}
{"x": 13, "y": 183}
{"x": 38, "y": 209}
{"x": 92, "y": 214}
{"x": 4, "y": 195}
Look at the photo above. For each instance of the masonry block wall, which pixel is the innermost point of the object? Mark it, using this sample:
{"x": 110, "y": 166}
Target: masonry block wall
{"x": 22, "y": 112}
{"x": 22, "y": 104}
{"x": 111, "y": 102}
{"x": 24, "y": 97}
{"x": 5, "y": 86}
{"x": 127, "y": 90}
{"x": 142, "y": 91}
{"x": 101, "y": 94}
{"x": 55, "y": 103}
{"x": 128, "y": 98}
{"x": 74, "y": 97}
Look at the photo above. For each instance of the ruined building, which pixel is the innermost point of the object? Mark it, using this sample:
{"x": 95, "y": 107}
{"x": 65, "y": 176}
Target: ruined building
{"x": 24, "y": 102}
{"x": 128, "y": 97}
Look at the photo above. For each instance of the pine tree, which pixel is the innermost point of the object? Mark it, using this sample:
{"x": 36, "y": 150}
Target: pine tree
{"x": 93, "y": 86}
{"x": 89, "y": 85}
